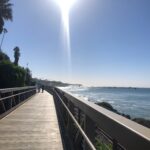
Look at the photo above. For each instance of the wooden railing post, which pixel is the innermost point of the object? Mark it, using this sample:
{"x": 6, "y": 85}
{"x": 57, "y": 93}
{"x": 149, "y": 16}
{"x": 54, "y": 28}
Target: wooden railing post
{"x": 89, "y": 128}
{"x": 2, "y": 106}
{"x": 13, "y": 101}
{"x": 115, "y": 144}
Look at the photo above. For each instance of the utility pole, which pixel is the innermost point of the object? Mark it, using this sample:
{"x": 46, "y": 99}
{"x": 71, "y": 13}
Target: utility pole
{"x": 4, "y": 31}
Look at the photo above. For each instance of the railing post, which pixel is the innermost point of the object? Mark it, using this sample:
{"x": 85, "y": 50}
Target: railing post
{"x": 9, "y": 102}
{"x": 89, "y": 128}
{"x": 18, "y": 98}
{"x": 115, "y": 144}
{"x": 13, "y": 101}
{"x": 3, "y": 106}
{"x": 78, "y": 137}
{"x": 69, "y": 121}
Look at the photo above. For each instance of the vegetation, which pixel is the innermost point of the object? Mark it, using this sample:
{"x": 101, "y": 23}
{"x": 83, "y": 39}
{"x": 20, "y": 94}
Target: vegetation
{"x": 5, "y": 12}
{"x": 3, "y": 57}
{"x": 28, "y": 77}
{"x": 12, "y": 75}
{"x": 101, "y": 145}
{"x": 141, "y": 121}
{"x": 16, "y": 55}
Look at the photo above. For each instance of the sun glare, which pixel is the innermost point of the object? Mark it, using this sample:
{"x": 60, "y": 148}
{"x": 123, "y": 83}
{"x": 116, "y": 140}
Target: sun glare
{"x": 65, "y": 6}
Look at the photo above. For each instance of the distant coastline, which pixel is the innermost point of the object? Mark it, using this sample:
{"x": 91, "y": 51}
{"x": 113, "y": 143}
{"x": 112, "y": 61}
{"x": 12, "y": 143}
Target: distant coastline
{"x": 120, "y": 87}
{"x": 53, "y": 83}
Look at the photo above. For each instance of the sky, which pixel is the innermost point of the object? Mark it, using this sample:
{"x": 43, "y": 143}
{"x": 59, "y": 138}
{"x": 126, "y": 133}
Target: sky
{"x": 110, "y": 41}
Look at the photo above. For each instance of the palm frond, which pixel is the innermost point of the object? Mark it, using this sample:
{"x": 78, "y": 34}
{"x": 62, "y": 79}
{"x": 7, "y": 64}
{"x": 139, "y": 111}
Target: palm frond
{"x": 6, "y": 10}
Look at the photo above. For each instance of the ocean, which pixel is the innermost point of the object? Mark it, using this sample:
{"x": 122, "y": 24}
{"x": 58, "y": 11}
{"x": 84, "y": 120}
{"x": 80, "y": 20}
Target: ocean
{"x": 132, "y": 101}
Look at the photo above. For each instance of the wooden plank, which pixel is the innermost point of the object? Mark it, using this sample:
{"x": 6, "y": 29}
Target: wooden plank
{"x": 32, "y": 126}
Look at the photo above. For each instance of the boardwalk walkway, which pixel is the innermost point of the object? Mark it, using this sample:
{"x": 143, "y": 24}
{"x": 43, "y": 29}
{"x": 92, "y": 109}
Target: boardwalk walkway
{"x": 32, "y": 126}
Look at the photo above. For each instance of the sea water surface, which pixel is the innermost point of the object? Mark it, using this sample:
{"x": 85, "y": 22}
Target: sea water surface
{"x": 132, "y": 101}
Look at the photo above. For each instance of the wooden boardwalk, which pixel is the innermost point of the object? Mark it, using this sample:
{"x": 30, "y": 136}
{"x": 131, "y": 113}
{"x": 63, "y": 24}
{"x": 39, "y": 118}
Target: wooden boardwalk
{"x": 32, "y": 126}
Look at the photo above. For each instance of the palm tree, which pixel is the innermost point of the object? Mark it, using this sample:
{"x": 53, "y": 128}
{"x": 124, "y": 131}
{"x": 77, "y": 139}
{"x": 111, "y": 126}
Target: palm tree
{"x": 5, "y": 12}
{"x": 16, "y": 55}
{"x": 4, "y": 32}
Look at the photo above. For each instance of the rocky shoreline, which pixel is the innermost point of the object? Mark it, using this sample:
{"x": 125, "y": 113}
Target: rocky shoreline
{"x": 141, "y": 121}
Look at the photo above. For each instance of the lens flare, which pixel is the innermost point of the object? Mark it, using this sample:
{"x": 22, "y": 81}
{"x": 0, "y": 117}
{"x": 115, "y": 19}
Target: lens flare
{"x": 65, "y": 6}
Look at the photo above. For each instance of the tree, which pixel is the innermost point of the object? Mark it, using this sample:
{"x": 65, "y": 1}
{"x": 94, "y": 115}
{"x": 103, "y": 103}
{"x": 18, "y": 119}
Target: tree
{"x": 3, "y": 57}
{"x": 5, "y": 12}
{"x": 28, "y": 77}
{"x": 4, "y": 32}
{"x": 16, "y": 55}
{"x": 11, "y": 75}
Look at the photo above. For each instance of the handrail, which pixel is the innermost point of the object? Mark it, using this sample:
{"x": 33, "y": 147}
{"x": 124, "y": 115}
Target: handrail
{"x": 1, "y": 99}
{"x": 77, "y": 124}
{"x": 15, "y": 89}
{"x": 10, "y": 98}
{"x": 122, "y": 130}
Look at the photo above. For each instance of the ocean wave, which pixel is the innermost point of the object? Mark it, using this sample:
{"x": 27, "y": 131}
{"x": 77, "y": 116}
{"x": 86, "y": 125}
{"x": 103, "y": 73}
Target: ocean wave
{"x": 124, "y": 100}
{"x": 74, "y": 88}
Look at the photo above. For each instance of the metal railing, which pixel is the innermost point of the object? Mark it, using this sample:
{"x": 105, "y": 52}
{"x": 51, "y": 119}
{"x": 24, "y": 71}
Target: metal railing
{"x": 87, "y": 126}
{"x": 11, "y": 97}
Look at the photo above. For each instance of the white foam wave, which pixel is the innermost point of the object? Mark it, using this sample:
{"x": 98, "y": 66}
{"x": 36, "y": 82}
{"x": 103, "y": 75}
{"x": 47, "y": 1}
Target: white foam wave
{"x": 74, "y": 88}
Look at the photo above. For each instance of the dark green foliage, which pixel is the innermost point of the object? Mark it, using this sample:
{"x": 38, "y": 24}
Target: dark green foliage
{"x": 16, "y": 55}
{"x": 3, "y": 57}
{"x": 28, "y": 77}
{"x": 1, "y": 24}
{"x": 5, "y": 12}
{"x": 101, "y": 145}
{"x": 11, "y": 75}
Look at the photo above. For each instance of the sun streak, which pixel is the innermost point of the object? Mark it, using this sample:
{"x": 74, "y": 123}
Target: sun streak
{"x": 65, "y": 6}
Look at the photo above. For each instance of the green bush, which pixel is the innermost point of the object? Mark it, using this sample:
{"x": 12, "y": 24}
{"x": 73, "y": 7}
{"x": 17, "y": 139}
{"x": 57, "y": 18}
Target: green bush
{"x": 11, "y": 75}
{"x": 101, "y": 145}
{"x": 4, "y": 56}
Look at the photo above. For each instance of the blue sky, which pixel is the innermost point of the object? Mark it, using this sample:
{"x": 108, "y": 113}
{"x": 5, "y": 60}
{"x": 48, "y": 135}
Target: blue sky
{"x": 110, "y": 41}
